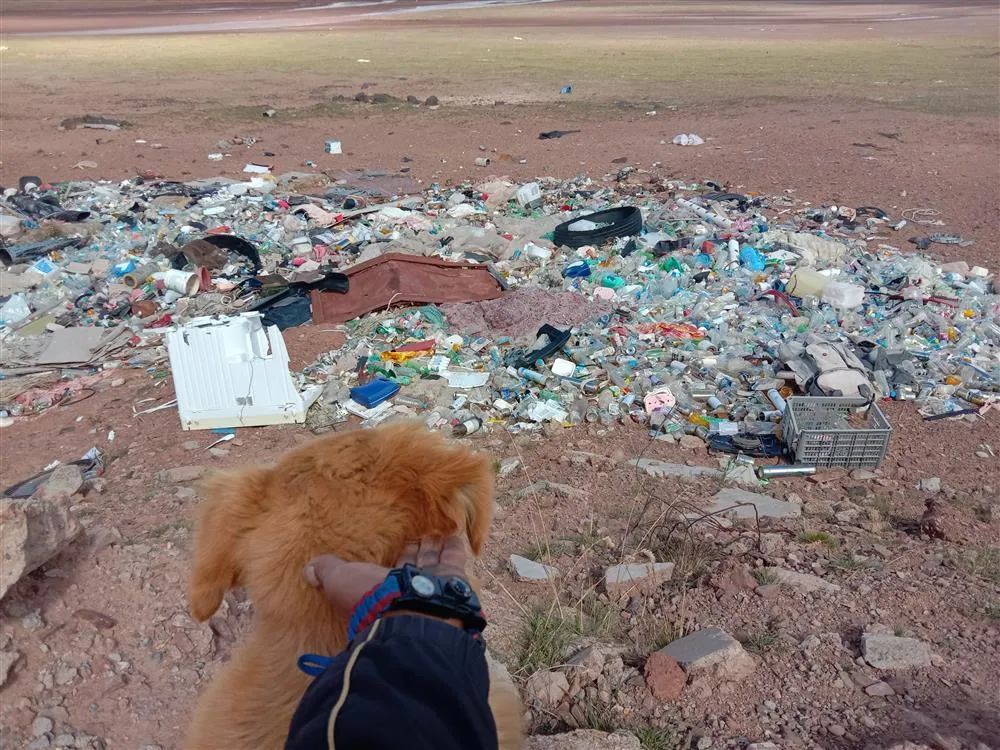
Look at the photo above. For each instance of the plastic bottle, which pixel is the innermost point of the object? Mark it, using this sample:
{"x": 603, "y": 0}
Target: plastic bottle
{"x": 806, "y": 282}
{"x": 467, "y": 427}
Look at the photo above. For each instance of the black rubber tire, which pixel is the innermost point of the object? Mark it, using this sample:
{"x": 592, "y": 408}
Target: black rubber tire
{"x": 622, "y": 222}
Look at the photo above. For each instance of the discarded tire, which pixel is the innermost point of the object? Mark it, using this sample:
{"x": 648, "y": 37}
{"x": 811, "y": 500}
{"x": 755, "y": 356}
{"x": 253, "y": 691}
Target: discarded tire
{"x": 617, "y": 222}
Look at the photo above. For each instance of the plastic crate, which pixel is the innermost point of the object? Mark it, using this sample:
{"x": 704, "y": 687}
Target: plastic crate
{"x": 817, "y": 432}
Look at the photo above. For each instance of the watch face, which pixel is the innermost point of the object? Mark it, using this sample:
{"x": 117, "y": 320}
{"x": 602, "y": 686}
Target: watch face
{"x": 460, "y": 588}
{"x": 423, "y": 586}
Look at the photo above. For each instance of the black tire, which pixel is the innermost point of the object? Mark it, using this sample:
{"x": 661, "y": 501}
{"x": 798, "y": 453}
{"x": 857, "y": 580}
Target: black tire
{"x": 621, "y": 222}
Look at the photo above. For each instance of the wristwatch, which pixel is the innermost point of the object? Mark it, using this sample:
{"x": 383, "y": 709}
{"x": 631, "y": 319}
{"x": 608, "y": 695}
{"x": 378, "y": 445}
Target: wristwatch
{"x": 409, "y": 589}
{"x": 446, "y": 597}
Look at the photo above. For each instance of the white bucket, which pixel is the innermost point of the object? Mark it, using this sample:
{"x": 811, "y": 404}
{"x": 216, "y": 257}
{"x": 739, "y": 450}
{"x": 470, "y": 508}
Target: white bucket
{"x": 182, "y": 282}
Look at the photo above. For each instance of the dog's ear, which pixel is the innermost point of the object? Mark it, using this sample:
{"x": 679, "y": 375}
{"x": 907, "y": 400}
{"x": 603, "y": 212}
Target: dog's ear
{"x": 231, "y": 508}
{"x": 477, "y": 498}
{"x": 454, "y": 484}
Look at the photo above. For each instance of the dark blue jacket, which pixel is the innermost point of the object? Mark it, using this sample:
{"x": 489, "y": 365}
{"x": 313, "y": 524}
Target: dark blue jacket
{"x": 407, "y": 682}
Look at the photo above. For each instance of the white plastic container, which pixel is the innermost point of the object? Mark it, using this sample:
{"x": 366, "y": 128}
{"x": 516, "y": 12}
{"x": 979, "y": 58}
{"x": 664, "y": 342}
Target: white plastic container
{"x": 806, "y": 282}
{"x": 843, "y": 296}
{"x": 182, "y": 282}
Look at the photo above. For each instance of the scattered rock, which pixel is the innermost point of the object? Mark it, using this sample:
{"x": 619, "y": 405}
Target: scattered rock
{"x": 619, "y": 579}
{"x": 929, "y": 484}
{"x": 432, "y": 101}
{"x": 7, "y": 661}
{"x": 549, "y": 688}
{"x": 543, "y": 486}
{"x": 766, "y": 506}
{"x": 691, "y": 442}
{"x": 768, "y": 591}
{"x": 63, "y": 483}
{"x": 508, "y": 466}
{"x": 99, "y": 620}
{"x": 117, "y": 382}
{"x": 35, "y": 529}
{"x": 41, "y": 725}
{"x": 733, "y": 579}
{"x": 863, "y": 475}
{"x": 893, "y": 652}
{"x": 712, "y": 651}
{"x": 529, "y": 570}
{"x": 411, "y": 99}
{"x": 181, "y": 474}
{"x": 190, "y": 445}
{"x": 584, "y": 739}
{"x": 664, "y": 676}
{"x": 677, "y": 471}
{"x": 837, "y": 730}
{"x": 218, "y": 452}
{"x": 880, "y": 689}
{"x": 803, "y": 582}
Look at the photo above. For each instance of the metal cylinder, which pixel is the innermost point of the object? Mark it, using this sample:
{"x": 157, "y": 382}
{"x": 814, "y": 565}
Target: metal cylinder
{"x": 795, "y": 470}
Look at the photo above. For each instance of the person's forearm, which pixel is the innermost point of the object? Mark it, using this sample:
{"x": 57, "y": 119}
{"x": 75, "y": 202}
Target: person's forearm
{"x": 407, "y": 681}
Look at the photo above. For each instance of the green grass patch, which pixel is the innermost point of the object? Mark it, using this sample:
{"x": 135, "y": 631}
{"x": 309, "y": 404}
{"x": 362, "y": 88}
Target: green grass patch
{"x": 818, "y": 537}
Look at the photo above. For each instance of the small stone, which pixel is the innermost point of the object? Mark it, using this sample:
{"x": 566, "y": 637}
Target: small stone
{"x": 41, "y": 725}
{"x": 704, "y": 743}
{"x": 892, "y": 652}
{"x": 713, "y": 651}
{"x": 184, "y": 492}
{"x": 508, "y": 466}
{"x": 691, "y": 442}
{"x": 836, "y": 730}
{"x": 181, "y": 474}
{"x": 117, "y": 382}
{"x": 549, "y": 688}
{"x": 863, "y": 475}
{"x": 431, "y": 101}
{"x": 619, "y": 579}
{"x": 66, "y": 675}
{"x": 733, "y": 580}
{"x": 411, "y": 99}
{"x": 63, "y": 483}
{"x": 805, "y": 583}
{"x": 930, "y": 484}
{"x": 7, "y": 661}
{"x": 33, "y": 620}
{"x": 810, "y": 642}
{"x": 218, "y": 452}
{"x": 190, "y": 445}
{"x": 769, "y": 591}
{"x": 664, "y": 676}
{"x": 529, "y": 570}
{"x": 880, "y": 689}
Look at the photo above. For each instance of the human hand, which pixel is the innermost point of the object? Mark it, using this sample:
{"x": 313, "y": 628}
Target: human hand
{"x": 344, "y": 583}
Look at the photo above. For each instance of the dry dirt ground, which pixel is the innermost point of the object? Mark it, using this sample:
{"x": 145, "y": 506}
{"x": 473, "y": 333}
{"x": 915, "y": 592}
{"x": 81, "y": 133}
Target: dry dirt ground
{"x": 837, "y": 107}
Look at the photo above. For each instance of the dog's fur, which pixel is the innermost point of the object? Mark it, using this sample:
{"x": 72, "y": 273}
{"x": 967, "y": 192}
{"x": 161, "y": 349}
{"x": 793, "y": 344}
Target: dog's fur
{"x": 360, "y": 495}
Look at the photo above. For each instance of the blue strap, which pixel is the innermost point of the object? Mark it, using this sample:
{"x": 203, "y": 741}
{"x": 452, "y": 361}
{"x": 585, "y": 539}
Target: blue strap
{"x": 313, "y": 664}
{"x": 372, "y": 605}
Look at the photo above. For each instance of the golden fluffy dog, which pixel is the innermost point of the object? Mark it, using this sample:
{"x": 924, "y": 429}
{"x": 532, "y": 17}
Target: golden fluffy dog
{"x": 360, "y": 495}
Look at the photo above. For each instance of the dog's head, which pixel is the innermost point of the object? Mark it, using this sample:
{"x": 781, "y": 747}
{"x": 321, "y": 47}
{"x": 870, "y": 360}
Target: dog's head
{"x": 360, "y": 495}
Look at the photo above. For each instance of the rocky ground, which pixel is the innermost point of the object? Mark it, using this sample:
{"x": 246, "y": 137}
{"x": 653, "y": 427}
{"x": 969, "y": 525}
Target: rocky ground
{"x": 839, "y": 624}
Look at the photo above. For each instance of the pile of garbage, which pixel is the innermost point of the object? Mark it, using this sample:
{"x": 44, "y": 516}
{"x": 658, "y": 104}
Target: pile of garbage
{"x": 684, "y": 307}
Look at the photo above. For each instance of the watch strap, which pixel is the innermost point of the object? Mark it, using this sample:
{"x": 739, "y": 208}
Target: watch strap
{"x": 372, "y": 605}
